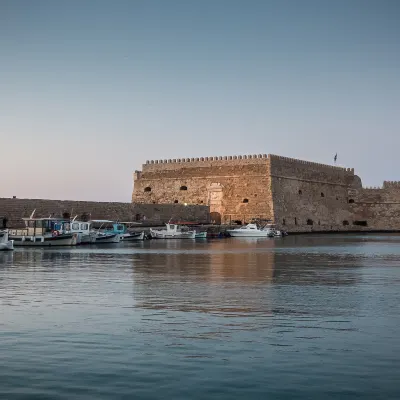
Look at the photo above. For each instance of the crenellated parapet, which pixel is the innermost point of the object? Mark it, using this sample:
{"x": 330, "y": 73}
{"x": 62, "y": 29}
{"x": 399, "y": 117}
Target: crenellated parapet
{"x": 373, "y": 188}
{"x": 207, "y": 159}
{"x": 391, "y": 184}
{"x": 199, "y": 162}
{"x": 295, "y": 161}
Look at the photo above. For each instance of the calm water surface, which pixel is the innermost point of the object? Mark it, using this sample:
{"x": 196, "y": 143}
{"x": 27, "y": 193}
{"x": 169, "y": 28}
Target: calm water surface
{"x": 295, "y": 318}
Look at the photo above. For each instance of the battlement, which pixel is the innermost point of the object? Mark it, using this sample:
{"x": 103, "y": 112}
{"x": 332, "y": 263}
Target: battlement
{"x": 391, "y": 184}
{"x": 199, "y": 159}
{"x": 202, "y": 162}
{"x": 297, "y": 162}
{"x": 372, "y": 188}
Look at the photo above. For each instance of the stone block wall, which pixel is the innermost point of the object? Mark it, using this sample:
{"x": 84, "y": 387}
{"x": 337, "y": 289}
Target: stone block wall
{"x": 309, "y": 196}
{"x": 376, "y": 208}
{"x": 15, "y": 209}
{"x": 235, "y": 188}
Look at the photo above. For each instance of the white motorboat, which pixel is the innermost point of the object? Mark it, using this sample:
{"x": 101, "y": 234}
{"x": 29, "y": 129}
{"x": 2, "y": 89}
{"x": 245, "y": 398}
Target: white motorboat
{"x": 5, "y": 243}
{"x": 42, "y": 232}
{"x": 172, "y": 231}
{"x": 252, "y": 230}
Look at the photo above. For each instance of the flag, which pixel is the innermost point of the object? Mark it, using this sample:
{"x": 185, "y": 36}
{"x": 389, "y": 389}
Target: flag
{"x": 335, "y": 158}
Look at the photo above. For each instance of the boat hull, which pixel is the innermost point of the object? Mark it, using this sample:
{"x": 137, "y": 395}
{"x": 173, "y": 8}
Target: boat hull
{"x": 201, "y": 235}
{"x": 7, "y": 246}
{"x": 130, "y": 237}
{"x": 106, "y": 239}
{"x": 5, "y": 243}
{"x": 156, "y": 234}
{"x": 259, "y": 234}
{"x": 41, "y": 241}
{"x": 86, "y": 238}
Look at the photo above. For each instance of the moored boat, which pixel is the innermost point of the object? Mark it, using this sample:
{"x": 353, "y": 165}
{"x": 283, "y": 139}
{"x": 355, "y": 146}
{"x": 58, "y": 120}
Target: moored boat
{"x": 172, "y": 231}
{"x": 83, "y": 229}
{"x": 121, "y": 228}
{"x": 5, "y": 243}
{"x": 252, "y": 230}
{"x": 103, "y": 235}
{"x": 42, "y": 232}
{"x": 201, "y": 235}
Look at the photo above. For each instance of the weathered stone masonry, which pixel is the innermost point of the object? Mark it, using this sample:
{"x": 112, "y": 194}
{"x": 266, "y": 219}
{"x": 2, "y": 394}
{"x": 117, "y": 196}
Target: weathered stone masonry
{"x": 15, "y": 209}
{"x": 297, "y": 195}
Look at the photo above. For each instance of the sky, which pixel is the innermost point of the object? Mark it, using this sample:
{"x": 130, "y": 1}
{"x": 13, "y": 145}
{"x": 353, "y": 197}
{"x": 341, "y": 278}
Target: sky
{"x": 91, "y": 89}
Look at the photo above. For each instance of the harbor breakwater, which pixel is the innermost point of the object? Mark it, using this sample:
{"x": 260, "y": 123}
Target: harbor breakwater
{"x": 15, "y": 209}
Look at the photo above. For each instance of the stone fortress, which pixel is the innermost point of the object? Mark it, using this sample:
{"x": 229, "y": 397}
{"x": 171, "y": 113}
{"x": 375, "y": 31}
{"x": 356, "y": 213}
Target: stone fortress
{"x": 298, "y": 196}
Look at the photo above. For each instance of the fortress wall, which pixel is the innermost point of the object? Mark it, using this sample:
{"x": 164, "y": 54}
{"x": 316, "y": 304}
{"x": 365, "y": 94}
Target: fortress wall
{"x": 379, "y": 208}
{"x": 15, "y": 209}
{"x": 199, "y": 162}
{"x": 310, "y": 196}
{"x": 237, "y": 180}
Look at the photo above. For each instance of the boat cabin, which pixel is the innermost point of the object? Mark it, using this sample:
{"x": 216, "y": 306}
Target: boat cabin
{"x": 79, "y": 227}
{"x": 40, "y": 227}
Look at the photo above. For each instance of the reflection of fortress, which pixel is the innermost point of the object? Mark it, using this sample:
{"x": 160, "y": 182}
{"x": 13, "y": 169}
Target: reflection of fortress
{"x": 191, "y": 279}
{"x": 298, "y": 195}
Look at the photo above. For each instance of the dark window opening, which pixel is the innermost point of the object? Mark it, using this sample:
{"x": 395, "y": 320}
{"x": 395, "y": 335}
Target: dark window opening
{"x": 322, "y": 195}
{"x": 175, "y": 201}
{"x": 284, "y": 221}
{"x": 345, "y": 223}
{"x": 300, "y": 192}
{"x": 319, "y": 222}
{"x": 295, "y": 220}
{"x": 237, "y": 222}
{"x": 255, "y": 195}
{"x": 351, "y": 201}
{"x": 183, "y": 188}
{"x": 147, "y": 189}
{"x": 201, "y": 201}
{"x": 245, "y": 200}
{"x": 310, "y": 222}
{"x": 337, "y": 198}
{"x": 66, "y": 215}
{"x": 360, "y": 223}
{"x": 137, "y": 217}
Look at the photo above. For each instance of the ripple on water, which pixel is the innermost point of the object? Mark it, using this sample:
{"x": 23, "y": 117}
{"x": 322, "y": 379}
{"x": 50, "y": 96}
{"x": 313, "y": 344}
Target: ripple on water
{"x": 302, "y": 317}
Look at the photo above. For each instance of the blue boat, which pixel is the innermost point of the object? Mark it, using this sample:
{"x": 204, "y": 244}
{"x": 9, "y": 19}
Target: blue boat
{"x": 120, "y": 228}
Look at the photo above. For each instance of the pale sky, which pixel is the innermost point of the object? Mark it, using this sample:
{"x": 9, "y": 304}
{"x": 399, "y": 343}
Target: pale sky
{"x": 89, "y": 90}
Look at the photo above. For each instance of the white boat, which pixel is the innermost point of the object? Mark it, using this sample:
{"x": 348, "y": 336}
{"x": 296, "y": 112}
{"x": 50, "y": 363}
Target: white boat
{"x": 42, "y": 232}
{"x": 172, "y": 231}
{"x": 252, "y": 230}
{"x": 83, "y": 229}
{"x": 5, "y": 243}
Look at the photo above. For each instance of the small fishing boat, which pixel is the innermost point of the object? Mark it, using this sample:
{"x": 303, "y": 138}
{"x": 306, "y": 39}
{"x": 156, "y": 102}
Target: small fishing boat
{"x": 121, "y": 228}
{"x": 103, "y": 235}
{"x": 42, "y": 232}
{"x": 172, "y": 231}
{"x": 201, "y": 235}
{"x": 5, "y": 243}
{"x": 83, "y": 229}
{"x": 252, "y": 230}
